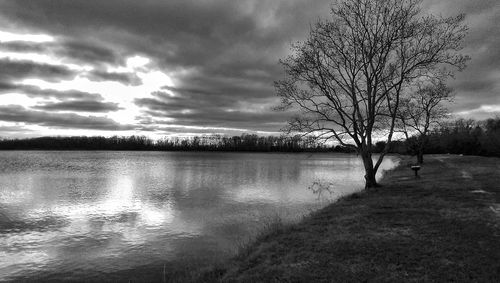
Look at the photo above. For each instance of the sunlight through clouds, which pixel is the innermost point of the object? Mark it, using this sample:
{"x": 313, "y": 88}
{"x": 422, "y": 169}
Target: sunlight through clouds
{"x": 214, "y": 63}
{"x": 137, "y": 62}
{"x": 42, "y": 58}
{"x": 39, "y": 38}
{"x": 152, "y": 80}
{"x": 485, "y": 111}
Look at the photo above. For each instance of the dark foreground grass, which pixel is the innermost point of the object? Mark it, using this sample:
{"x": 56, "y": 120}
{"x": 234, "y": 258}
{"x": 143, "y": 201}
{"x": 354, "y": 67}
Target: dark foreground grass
{"x": 444, "y": 226}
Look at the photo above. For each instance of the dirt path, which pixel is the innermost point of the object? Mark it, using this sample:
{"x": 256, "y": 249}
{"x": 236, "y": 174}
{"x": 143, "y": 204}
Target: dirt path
{"x": 480, "y": 175}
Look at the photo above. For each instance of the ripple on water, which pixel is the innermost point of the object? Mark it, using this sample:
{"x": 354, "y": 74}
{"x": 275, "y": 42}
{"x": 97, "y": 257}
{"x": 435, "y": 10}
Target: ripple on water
{"x": 93, "y": 215}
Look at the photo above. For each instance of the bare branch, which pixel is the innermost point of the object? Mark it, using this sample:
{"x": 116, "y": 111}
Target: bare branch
{"x": 349, "y": 77}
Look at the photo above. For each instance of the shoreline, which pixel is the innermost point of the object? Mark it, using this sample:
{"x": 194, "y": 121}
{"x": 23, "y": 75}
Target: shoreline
{"x": 443, "y": 226}
{"x": 224, "y": 243}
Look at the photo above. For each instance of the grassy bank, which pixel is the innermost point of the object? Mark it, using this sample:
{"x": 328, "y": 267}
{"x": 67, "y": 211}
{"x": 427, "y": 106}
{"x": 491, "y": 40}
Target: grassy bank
{"x": 444, "y": 226}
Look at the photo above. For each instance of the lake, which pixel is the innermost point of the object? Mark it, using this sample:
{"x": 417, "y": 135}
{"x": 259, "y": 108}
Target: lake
{"x": 93, "y": 215}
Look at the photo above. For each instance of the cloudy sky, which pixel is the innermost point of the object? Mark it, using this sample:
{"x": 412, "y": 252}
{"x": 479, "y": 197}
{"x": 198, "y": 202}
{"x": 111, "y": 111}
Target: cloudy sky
{"x": 179, "y": 67}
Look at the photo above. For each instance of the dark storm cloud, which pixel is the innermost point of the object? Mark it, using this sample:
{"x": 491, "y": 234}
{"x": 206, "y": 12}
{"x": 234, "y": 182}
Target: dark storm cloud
{"x": 169, "y": 130}
{"x": 87, "y": 51}
{"x": 14, "y": 70}
{"x": 209, "y": 112}
{"x": 37, "y": 92}
{"x": 218, "y": 94}
{"x": 479, "y": 84}
{"x": 453, "y": 7}
{"x": 72, "y": 51}
{"x": 76, "y": 50}
{"x": 237, "y": 38}
{"x": 182, "y": 91}
{"x": 7, "y": 87}
{"x": 22, "y": 46}
{"x": 16, "y": 113}
{"x": 230, "y": 87}
{"x": 255, "y": 121}
{"x": 124, "y": 78}
{"x": 12, "y": 129}
{"x": 80, "y": 106}
{"x": 195, "y": 100}
{"x": 223, "y": 54}
{"x": 230, "y": 49}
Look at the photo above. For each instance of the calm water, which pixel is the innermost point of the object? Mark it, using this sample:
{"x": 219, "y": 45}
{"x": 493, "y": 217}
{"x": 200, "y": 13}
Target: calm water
{"x": 94, "y": 215}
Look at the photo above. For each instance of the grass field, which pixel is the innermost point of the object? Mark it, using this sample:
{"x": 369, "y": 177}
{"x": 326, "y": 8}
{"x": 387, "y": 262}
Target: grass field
{"x": 443, "y": 226}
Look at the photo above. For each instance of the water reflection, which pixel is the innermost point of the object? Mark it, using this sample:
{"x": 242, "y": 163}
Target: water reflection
{"x": 74, "y": 215}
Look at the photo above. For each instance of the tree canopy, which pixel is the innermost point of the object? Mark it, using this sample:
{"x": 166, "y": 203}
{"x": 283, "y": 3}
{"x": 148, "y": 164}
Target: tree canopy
{"x": 422, "y": 111}
{"x": 348, "y": 77}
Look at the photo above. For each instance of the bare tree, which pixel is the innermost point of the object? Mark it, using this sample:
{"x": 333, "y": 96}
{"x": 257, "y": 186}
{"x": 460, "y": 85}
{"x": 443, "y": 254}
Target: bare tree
{"x": 420, "y": 112}
{"x": 346, "y": 79}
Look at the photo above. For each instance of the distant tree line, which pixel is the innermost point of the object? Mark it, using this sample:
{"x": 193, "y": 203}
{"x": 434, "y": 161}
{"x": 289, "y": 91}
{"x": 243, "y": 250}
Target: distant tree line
{"x": 464, "y": 136}
{"x": 461, "y": 136}
{"x": 245, "y": 142}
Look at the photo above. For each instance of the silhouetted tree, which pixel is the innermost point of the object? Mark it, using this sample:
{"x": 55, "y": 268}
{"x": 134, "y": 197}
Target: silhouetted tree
{"x": 490, "y": 140}
{"x": 466, "y": 136}
{"x": 420, "y": 112}
{"x": 245, "y": 142}
{"x": 348, "y": 76}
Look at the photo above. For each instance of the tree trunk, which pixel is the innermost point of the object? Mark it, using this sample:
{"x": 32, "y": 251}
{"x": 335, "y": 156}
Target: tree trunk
{"x": 420, "y": 149}
{"x": 370, "y": 181}
{"x": 420, "y": 156}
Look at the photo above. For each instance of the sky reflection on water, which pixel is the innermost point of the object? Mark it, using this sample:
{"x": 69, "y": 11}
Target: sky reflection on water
{"x": 85, "y": 215}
